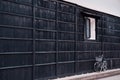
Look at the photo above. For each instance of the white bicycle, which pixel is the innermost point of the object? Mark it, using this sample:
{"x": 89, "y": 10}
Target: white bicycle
{"x": 100, "y": 64}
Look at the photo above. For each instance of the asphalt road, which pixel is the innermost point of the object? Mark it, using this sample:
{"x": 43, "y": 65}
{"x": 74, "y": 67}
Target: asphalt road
{"x": 116, "y": 77}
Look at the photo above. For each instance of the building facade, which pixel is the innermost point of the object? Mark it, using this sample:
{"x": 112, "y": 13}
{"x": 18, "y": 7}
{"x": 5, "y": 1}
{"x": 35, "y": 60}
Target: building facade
{"x": 43, "y": 39}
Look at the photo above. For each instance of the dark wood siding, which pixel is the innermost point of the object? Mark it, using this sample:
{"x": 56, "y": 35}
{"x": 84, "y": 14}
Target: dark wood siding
{"x": 41, "y": 39}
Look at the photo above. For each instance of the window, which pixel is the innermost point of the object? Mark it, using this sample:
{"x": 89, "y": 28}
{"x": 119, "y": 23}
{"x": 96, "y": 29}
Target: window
{"x": 90, "y": 28}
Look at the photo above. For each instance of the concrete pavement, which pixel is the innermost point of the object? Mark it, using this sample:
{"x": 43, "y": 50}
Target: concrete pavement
{"x": 116, "y": 77}
{"x": 105, "y": 75}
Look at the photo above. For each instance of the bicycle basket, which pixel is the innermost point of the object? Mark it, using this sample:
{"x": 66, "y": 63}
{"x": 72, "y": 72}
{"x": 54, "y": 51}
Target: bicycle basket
{"x": 99, "y": 59}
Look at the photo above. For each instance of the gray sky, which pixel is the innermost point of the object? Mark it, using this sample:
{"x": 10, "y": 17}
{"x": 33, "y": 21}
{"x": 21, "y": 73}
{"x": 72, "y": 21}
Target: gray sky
{"x": 107, "y": 6}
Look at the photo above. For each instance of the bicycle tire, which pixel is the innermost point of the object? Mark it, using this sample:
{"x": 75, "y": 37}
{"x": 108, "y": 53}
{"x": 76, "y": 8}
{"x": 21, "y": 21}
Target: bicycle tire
{"x": 96, "y": 66}
{"x": 105, "y": 66}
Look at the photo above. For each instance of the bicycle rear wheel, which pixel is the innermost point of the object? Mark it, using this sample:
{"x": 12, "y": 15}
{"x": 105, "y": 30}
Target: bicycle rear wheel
{"x": 105, "y": 66}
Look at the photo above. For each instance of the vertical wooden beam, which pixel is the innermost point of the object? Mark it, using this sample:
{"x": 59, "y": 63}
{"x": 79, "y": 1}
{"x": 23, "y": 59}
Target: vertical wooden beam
{"x": 33, "y": 24}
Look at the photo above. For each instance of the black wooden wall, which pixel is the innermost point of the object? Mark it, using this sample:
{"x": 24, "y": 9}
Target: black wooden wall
{"x": 41, "y": 39}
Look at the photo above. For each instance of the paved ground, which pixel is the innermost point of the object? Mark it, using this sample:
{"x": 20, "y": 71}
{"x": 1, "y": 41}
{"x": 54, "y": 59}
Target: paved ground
{"x": 95, "y": 76}
{"x": 117, "y": 77}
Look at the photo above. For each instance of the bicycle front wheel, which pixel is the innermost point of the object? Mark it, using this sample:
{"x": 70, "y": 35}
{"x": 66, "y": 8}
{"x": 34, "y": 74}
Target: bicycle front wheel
{"x": 97, "y": 66}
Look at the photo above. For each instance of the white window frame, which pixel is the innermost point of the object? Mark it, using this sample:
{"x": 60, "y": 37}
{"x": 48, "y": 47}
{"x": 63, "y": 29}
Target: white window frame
{"x": 90, "y": 27}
